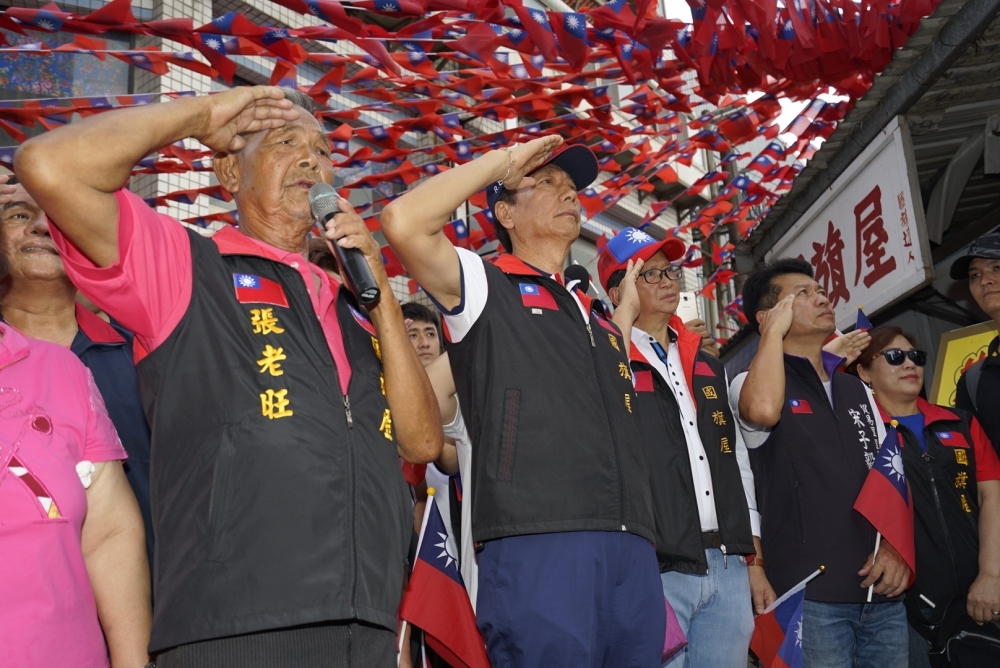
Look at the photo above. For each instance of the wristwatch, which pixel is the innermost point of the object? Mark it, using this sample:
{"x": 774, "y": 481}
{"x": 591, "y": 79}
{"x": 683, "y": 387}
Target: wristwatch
{"x": 754, "y": 560}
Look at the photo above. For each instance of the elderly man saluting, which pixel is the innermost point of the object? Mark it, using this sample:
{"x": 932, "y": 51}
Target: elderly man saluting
{"x": 561, "y": 508}
{"x": 277, "y": 409}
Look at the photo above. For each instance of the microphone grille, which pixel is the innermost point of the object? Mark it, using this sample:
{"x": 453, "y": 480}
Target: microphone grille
{"x": 322, "y": 200}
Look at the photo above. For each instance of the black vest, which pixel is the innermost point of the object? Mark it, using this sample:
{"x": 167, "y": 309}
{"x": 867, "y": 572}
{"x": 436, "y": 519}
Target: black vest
{"x": 675, "y": 508}
{"x": 549, "y": 403}
{"x": 808, "y": 475}
{"x": 273, "y": 504}
{"x": 945, "y": 503}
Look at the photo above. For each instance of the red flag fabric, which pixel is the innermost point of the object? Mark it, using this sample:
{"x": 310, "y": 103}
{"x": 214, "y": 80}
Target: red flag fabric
{"x": 436, "y": 599}
{"x": 885, "y": 499}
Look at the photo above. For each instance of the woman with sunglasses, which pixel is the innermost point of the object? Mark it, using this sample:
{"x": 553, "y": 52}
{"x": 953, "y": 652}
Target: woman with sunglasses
{"x": 954, "y": 478}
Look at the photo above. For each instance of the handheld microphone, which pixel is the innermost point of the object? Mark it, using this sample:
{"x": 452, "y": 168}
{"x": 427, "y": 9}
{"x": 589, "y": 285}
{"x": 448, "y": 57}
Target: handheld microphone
{"x": 577, "y": 272}
{"x": 353, "y": 265}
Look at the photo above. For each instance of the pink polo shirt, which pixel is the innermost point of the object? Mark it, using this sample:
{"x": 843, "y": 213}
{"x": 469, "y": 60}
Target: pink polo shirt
{"x": 148, "y": 290}
{"x": 51, "y": 418}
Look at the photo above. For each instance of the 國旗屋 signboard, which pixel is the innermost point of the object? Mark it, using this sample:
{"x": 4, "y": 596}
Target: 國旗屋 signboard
{"x": 865, "y": 236}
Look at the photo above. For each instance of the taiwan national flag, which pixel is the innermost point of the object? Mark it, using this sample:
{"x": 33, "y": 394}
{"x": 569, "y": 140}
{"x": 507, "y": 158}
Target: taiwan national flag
{"x": 436, "y": 600}
{"x": 863, "y": 322}
{"x": 800, "y": 406}
{"x": 777, "y": 635}
{"x": 952, "y": 438}
{"x": 885, "y": 499}
{"x": 252, "y": 289}
{"x": 536, "y": 296}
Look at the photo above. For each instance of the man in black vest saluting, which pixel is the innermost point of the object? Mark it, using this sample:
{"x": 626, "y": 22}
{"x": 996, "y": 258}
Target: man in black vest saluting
{"x": 561, "y": 502}
{"x": 278, "y": 409}
{"x": 703, "y": 491}
{"x": 813, "y": 433}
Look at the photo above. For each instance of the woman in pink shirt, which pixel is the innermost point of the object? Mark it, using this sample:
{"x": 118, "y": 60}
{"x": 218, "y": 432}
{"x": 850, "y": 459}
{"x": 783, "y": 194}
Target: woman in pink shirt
{"x": 72, "y": 543}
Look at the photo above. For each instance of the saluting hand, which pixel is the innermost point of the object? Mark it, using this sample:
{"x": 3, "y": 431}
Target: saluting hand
{"x": 6, "y": 191}
{"x": 527, "y": 158}
{"x": 238, "y": 111}
{"x": 778, "y": 320}
{"x": 850, "y": 345}
{"x": 628, "y": 296}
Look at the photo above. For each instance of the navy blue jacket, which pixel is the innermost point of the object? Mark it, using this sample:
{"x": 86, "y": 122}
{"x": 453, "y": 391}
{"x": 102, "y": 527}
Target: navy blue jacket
{"x": 106, "y": 349}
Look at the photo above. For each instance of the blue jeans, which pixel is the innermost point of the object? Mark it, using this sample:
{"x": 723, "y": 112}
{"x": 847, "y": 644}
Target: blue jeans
{"x": 715, "y": 613}
{"x": 582, "y": 599}
{"x": 854, "y": 635}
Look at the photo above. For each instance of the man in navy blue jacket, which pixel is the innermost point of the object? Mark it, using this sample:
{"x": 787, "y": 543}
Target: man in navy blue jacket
{"x": 37, "y": 298}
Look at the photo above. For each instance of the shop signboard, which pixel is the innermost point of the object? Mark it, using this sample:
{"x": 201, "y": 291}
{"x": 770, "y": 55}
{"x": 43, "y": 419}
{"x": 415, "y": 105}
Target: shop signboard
{"x": 865, "y": 236}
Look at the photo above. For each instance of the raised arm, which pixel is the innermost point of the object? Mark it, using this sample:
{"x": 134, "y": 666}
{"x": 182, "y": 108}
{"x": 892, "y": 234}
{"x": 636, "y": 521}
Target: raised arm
{"x": 439, "y": 372}
{"x": 416, "y": 420}
{"x": 73, "y": 171}
{"x": 413, "y": 223}
{"x": 763, "y": 392}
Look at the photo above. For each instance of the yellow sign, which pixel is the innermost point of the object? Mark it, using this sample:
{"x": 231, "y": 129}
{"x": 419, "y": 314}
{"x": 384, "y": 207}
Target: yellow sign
{"x": 958, "y": 350}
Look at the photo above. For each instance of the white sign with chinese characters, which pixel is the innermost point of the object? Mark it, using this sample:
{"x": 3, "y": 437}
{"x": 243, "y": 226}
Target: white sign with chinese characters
{"x": 865, "y": 236}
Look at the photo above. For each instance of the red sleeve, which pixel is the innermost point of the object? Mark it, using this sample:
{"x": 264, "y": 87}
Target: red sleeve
{"x": 149, "y": 288}
{"x": 102, "y": 443}
{"x": 987, "y": 462}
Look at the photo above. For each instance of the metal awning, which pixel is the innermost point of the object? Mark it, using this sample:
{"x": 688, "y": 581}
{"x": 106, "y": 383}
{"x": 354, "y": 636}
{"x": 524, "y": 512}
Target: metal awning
{"x": 946, "y": 80}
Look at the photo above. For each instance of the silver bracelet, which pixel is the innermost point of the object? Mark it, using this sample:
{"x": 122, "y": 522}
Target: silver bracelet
{"x": 510, "y": 165}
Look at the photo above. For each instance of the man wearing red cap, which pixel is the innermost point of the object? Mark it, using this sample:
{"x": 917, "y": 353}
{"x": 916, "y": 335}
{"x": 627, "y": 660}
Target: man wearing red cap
{"x": 703, "y": 493}
{"x": 562, "y": 513}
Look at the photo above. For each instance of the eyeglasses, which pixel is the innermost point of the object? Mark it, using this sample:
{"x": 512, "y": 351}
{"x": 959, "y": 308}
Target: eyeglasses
{"x": 895, "y": 356}
{"x": 654, "y": 276}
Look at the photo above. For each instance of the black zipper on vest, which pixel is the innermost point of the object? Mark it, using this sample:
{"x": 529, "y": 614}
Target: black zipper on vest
{"x": 350, "y": 429}
{"x": 940, "y": 510}
{"x": 611, "y": 427}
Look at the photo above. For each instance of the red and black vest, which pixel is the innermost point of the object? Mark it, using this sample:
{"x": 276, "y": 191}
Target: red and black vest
{"x": 274, "y": 504}
{"x": 945, "y": 504}
{"x": 675, "y": 507}
{"x": 808, "y": 474}
{"x": 549, "y": 403}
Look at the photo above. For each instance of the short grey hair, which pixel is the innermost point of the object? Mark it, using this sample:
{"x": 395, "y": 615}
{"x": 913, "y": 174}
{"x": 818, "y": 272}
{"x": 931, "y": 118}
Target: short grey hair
{"x": 300, "y": 99}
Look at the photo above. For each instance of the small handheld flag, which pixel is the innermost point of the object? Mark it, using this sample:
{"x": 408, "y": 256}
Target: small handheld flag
{"x": 863, "y": 322}
{"x": 777, "y": 634}
{"x": 885, "y": 499}
{"x": 436, "y": 599}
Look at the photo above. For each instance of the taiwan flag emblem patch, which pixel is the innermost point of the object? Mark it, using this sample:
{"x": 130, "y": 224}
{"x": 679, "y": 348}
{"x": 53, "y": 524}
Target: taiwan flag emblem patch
{"x": 800, "y": 406}
{"x": 252, "y": 289}
{"x": 362, "y": 320}
{"x": 703, "y": 369}
{"x": 536, "y": 296}
{"x": 953, "y": 438}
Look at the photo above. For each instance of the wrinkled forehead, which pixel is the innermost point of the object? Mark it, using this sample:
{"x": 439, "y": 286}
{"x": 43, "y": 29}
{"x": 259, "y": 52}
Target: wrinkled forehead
{"x": 794, "y": 282}
{"x": 21, "y": 197}
{"x": 305, "y": 125}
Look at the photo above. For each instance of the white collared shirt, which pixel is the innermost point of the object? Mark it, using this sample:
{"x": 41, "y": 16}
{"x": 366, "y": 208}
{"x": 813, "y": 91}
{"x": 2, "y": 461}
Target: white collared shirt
{"x": 673, "y": 375}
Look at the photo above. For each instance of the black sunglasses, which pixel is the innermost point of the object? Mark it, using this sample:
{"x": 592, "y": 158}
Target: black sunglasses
{"x": 895, "y": 356}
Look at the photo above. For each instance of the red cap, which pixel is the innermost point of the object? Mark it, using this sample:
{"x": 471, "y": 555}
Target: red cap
{"x": 634, "y": 244}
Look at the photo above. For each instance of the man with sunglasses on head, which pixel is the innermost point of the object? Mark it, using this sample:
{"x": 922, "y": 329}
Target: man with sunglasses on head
{"x": 704, "y": 501}
{"x": 813, "y": 433}
{"x": 981, "y": 268}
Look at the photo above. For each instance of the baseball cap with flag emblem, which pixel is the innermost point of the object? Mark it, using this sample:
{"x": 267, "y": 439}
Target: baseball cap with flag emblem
{"x": 634, "y": 244}
{"x": 576, "y": 160}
